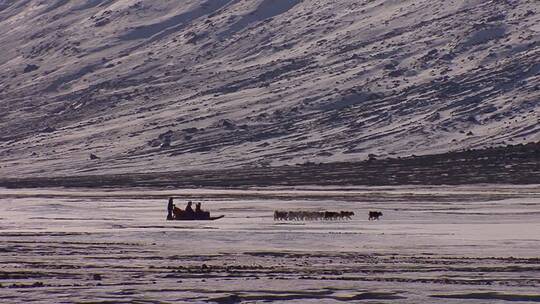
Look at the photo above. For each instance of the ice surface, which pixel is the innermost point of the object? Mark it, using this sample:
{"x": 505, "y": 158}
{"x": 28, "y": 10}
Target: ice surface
{"x": 451, "y": 244}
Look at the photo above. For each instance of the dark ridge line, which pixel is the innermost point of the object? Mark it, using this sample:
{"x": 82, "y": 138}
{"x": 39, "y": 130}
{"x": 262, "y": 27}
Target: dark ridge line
{"x": 517, "y": 164}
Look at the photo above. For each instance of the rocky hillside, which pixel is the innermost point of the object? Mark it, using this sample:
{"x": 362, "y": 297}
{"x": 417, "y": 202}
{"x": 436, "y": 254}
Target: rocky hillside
{"x": 518, "y": 165}
{"x": 203, "y": 84}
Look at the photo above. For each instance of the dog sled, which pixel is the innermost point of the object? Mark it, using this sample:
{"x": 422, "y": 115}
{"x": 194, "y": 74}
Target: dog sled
{"x": 177, "y": 214}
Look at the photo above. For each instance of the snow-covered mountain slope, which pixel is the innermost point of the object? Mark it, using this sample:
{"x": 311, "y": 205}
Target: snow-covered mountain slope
{"x": 171, "y": 85}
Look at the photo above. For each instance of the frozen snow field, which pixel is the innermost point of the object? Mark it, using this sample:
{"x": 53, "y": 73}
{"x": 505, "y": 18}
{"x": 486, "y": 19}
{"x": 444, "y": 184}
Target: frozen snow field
{"x": 477, "y": 244}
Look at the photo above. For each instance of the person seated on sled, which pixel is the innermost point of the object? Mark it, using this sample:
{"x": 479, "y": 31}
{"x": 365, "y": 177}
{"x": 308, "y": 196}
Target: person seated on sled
{"x": 201, "y": 214}
{"x": 170, "y": 208}
{"x": 189, "y": 211}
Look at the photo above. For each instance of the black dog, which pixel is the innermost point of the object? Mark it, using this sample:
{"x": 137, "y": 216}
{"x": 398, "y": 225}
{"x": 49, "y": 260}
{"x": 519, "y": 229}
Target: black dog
{"x": 374, "y": 215}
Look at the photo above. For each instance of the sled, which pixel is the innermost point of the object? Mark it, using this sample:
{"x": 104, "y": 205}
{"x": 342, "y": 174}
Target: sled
{"x": 209, "y": 218}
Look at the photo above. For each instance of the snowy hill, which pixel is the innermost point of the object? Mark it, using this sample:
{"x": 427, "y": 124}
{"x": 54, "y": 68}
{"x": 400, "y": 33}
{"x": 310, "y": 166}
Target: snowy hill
{"x": 174, "y": 85}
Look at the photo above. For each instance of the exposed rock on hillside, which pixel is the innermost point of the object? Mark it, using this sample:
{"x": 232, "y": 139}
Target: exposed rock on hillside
{"x": 251, "y": 82}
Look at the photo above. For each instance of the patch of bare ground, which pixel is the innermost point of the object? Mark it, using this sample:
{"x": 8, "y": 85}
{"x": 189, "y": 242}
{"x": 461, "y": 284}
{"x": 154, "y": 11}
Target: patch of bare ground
{"x": 517, "y": 164}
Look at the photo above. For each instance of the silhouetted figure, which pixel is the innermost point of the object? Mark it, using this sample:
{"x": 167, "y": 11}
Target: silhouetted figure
{"x": 189, "y": 210}
{"x": 201, "y": 214}
{"x": 170, "y": 208}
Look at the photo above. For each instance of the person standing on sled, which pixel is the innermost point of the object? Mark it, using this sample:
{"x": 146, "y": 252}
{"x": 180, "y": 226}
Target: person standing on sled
{"x": 170, "y": 208}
